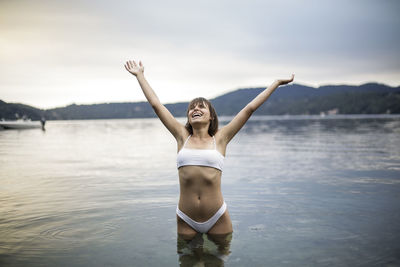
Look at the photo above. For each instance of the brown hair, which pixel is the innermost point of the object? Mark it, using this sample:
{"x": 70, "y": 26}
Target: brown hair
{"x": 213, "y": 128}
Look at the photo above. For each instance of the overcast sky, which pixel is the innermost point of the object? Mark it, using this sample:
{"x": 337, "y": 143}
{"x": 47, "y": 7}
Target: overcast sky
{"x": 54, "y": 53}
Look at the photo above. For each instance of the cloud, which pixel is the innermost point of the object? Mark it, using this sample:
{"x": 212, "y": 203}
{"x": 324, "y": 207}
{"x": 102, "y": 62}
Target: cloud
{"x": 57, "y": 52}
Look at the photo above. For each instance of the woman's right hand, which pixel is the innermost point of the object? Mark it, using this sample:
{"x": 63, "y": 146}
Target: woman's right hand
{"x": 133, "y": 68}
{"x": 285, "y": 81}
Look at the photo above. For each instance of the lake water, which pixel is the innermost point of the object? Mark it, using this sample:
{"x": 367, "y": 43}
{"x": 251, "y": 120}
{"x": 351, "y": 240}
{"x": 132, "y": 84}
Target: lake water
{"x": 301, "y": 191}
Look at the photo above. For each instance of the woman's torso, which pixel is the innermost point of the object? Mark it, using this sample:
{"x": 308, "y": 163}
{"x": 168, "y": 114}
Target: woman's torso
{"x": 200, "y": 185}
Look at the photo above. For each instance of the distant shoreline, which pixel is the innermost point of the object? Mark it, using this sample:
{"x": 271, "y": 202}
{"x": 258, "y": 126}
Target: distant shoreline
{"x": 294, "y": 99}
{"x": 265, "y": 117}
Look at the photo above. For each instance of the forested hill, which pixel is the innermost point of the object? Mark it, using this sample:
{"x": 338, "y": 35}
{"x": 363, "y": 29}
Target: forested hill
{"x": 370, "y": 98}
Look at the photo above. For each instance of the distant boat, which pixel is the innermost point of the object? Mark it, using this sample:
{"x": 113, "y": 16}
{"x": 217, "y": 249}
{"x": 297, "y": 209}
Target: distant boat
{"x": 21, "y": 124}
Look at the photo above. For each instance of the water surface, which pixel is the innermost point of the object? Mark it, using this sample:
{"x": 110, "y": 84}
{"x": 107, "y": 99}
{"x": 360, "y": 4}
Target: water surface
{"x": 301, "y": 191}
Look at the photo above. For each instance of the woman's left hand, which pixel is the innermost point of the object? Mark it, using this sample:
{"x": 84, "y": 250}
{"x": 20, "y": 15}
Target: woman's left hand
{"x": 281, "y": 82}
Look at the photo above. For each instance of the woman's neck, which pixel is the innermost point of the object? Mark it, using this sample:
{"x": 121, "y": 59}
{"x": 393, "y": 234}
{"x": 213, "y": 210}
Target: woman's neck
{"x": 201, "y": 133}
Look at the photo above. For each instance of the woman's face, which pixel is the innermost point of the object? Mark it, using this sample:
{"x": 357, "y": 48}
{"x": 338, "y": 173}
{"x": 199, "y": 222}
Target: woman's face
{"x": 200, "y": 113}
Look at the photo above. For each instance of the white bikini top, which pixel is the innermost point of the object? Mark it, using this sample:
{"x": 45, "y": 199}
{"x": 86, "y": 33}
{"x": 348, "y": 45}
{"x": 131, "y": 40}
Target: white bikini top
{"x": 200, "y": 157}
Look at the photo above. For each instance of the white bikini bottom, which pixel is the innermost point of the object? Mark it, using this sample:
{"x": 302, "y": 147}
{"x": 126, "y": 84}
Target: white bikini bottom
{"x": 202, "y": 227}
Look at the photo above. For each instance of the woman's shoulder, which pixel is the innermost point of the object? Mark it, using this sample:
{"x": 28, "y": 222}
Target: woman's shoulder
{"x": 220, "y": 140}
{"x": 182, "y": 137}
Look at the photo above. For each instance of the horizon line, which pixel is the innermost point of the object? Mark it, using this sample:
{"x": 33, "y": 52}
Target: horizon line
{"x": 224, "y": 93}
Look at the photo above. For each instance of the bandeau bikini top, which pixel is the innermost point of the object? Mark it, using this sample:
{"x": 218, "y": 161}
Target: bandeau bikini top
{"x": 200, "y": 157}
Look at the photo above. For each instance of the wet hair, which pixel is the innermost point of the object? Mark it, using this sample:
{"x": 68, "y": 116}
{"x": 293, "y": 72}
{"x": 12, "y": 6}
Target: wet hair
{"x": 213, "y": 128}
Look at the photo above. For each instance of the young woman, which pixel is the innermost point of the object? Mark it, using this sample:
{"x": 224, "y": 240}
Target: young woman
{"x": 201, "y": 150}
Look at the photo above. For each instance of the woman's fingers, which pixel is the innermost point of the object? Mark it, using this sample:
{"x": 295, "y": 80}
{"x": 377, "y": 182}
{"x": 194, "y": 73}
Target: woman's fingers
{"x": 129, "y": 66}
{"x": 134, "y": 68}
{"x": 132, "y": 64}
{"x": 287, "y": 80}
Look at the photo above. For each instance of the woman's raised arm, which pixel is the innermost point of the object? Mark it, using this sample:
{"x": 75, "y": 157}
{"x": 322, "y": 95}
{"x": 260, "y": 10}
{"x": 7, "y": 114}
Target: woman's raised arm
{"x": 176, "y": 129}
{"x": 230, "y": 130}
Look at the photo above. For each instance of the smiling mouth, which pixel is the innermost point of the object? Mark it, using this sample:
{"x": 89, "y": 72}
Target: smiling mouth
{"x": 197, "y": 115}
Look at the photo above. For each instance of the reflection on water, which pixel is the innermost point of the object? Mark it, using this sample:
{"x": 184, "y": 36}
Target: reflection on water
{"x": 346, "y": 124}
{"x": 203, "y": 249}
{"x": 302, "y": 190}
